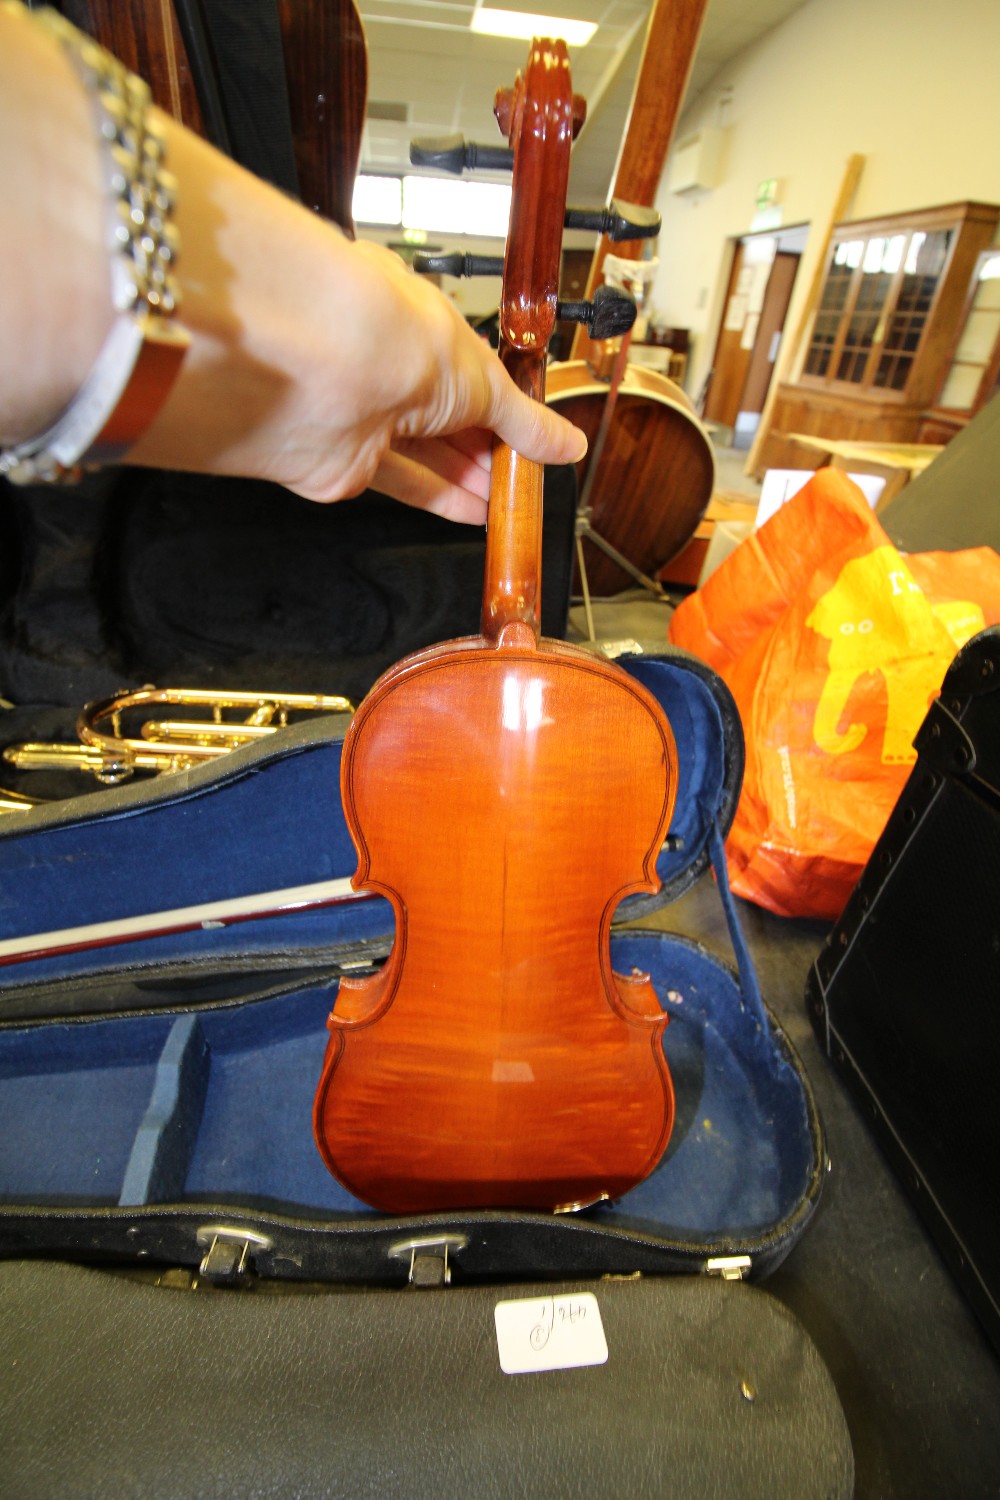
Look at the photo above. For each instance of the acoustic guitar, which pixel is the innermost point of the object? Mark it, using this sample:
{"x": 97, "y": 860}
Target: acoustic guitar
{"x": 505, "y": 793}
{"x": 655, "y": 472}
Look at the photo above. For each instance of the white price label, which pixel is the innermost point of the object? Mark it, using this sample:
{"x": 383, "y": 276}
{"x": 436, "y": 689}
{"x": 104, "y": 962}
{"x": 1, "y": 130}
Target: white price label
{"x": 550, "y": 1333}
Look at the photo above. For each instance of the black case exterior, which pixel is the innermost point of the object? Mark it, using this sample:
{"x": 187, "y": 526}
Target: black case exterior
{"x": 904, "y": 996}
{"x": 708, "y": 1390}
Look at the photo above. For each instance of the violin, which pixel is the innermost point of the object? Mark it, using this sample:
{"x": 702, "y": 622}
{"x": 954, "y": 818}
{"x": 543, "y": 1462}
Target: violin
{"x": 505, "y": 793}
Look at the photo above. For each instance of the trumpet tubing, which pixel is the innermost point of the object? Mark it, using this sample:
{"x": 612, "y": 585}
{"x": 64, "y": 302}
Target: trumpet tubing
{"x": 161, "y": 745}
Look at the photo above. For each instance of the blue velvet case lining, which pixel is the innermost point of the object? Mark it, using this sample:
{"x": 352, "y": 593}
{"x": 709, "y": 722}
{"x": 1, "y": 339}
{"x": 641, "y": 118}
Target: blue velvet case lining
{"x": 212, "y": 1105}
{"x": 215, "y": 1105}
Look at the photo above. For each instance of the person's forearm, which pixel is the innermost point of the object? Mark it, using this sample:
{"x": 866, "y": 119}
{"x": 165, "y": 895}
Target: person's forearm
{"x": 319, "y": 363}
{"x": 255, "y": 268}
{"x": 258, "y": 275}
{"x": 55, "y": 290}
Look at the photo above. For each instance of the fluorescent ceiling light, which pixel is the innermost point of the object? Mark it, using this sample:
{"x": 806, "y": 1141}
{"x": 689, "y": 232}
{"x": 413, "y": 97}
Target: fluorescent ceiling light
{"x": 519, "y": 24}
{"x": 377, "y": 200}
{"x": 444, "y": 206}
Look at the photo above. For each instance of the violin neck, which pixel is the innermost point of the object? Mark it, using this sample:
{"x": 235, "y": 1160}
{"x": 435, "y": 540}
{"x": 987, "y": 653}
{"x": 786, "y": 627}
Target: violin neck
{"x": 512, "y": 585}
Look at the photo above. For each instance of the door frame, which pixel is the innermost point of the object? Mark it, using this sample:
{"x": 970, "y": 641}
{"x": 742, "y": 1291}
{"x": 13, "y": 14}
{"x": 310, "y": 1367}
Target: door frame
{"x": 748, "y": 275}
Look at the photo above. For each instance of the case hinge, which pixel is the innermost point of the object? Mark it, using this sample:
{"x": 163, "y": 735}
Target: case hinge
{"x": 943, "y": 743}
{"x": 227, "y": 1256}
{"x": 729, "y": 1267}
{"x": 428, "y": 1257}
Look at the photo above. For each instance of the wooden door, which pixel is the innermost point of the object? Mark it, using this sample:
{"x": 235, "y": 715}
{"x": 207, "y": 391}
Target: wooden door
{"x": 729, "y": 368}
{"x": 772, "y": 320}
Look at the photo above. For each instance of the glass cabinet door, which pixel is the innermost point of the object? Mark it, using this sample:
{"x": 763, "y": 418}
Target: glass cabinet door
{"x": 881, "y": 258}
{"x": 833, "y": 300}
{"x": 874, "y": 307}
{"x": 972, "y": 377}
{"x": 926, "y": 258}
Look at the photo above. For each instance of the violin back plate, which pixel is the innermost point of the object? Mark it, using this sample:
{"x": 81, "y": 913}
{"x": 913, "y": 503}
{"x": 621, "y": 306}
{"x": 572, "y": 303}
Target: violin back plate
{"x": 516, "y": 1068}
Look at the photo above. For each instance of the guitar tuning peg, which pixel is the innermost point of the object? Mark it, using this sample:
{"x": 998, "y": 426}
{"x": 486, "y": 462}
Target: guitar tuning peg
{"x": 611, "y": 313}
{"x": 619, "y": 221}
{"x": 453, "y": 153}
{"x": 457, "y": 264}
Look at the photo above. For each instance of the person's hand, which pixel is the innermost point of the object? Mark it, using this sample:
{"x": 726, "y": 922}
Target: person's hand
{"x": 427, "y": 398}
{"x": 328, "y": 366}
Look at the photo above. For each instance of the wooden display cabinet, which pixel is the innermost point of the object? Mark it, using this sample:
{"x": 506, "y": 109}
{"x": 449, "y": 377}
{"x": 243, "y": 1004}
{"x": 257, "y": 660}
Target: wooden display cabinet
{"x": 885, "y": 330}
{"x": 973, "y": 373}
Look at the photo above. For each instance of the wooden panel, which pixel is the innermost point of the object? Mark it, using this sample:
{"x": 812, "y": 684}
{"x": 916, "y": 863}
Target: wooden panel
{"x": 145, "y": 36}
{"x": 326, "y": 68}
{"x": 731, "y": 361}
{"x": 941, "y": 427}
{"x": 822, "y": 414}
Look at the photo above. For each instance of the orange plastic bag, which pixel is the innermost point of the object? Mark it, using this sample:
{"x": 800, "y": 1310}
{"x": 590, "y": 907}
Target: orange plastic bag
{"x": 833, "y": 645}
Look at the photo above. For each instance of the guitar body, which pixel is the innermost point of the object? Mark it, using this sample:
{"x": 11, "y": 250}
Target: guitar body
{"x": 496, "y": 1060}
{"x": 656, "y": 471}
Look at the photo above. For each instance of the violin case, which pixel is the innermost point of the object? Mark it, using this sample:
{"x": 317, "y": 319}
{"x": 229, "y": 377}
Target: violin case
{"x": 156, "y": 1094}
{"x": 903, "y": 997}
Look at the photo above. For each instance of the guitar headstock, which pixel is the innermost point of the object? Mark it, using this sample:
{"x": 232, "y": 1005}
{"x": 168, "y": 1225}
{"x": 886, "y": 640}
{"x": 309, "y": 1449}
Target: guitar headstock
{"x": 539, "y": 116}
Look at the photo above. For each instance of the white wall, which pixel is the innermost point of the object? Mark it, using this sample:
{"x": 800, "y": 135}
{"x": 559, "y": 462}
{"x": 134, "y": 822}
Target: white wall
{"x": 913, "y": 85}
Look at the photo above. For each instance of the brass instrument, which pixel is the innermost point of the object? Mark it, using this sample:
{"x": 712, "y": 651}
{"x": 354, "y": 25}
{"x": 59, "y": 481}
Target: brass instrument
{"x": 161, "y": 745}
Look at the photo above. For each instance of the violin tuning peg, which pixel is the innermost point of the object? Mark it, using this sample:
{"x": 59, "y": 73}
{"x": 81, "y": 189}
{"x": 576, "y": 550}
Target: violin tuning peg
{"x": 457, "y": 264}
{"x": 632, "y": 221}
{"x": 611, "y": 313}
{"x": 619, "y": 221}
{"x": 453, "y": 153}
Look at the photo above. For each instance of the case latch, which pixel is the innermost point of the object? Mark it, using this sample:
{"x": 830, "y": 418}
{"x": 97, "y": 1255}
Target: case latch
{"x": 729, "y": 1267}
{"x": 227, "y": 1257}
{"x": 428, "y": 1257}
